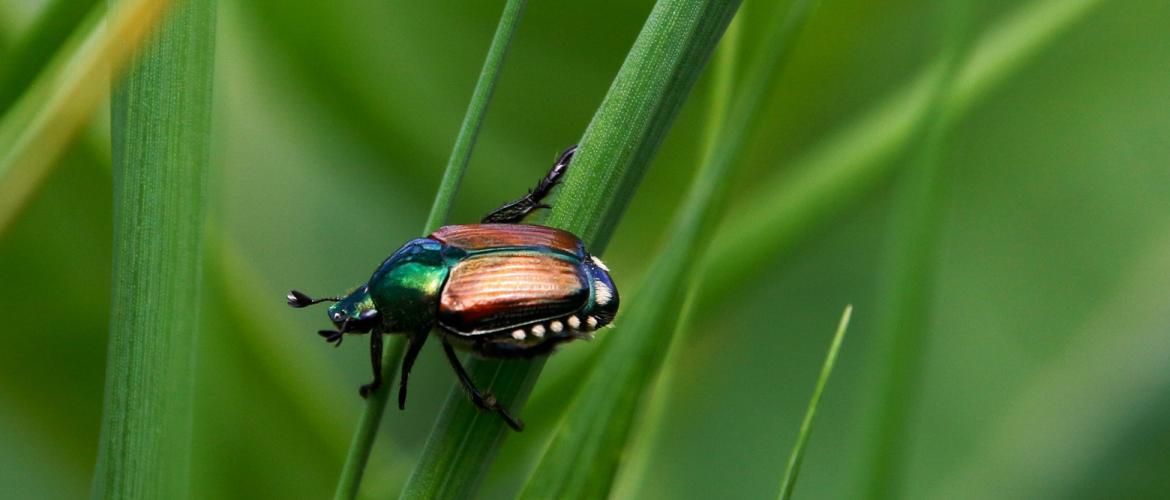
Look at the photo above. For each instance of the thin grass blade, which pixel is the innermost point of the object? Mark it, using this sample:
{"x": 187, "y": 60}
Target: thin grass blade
{"x": 797, "y": 456}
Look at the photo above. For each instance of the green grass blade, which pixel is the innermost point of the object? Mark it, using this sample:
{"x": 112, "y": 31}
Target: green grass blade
{"x": 161, "y": 141}
{"x": 797, "y": 455}
{"x": 363, "y": 439}
{"x": 843, "y": 169}
{"x": 911, "y": 255}
{"x": 648, "y": 91}
{"x": 583, "y": 458}
{"x": 39, "y": 127}
{"x": 632, "y": 473}
{"x": 28, "y": 56}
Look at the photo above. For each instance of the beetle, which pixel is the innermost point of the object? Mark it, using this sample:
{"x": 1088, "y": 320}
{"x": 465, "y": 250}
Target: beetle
{"x": 500, "y": 288}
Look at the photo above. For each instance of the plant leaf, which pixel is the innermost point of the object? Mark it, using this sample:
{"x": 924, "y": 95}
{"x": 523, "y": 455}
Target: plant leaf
{"x": 161, "y": 143}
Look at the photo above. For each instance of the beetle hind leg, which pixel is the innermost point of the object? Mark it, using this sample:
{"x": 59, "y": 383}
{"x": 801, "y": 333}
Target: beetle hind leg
{"x": 483, "y": 400}
{"x": 514, "y": 212}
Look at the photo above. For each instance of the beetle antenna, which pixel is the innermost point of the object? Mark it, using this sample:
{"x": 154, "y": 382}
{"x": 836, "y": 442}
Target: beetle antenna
{"x": 299, "y": 300}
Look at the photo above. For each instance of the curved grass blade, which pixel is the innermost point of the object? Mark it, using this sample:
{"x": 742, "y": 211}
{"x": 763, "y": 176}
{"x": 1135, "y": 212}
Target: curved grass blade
{"x": 51, "y": 112}
{"x": 797, "y": 456}
{"x": 161, "y": 143}
{"x": 647, "y": 93}
{"x": 363, "y": 439}
{"x": 583, "y": 458}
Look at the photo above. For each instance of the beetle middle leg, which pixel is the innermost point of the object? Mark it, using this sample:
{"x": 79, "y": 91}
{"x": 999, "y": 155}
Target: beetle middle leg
{"x": 483, "y": 400}
{"x": 515, "y": 211}
{"x": 414, "y": 345}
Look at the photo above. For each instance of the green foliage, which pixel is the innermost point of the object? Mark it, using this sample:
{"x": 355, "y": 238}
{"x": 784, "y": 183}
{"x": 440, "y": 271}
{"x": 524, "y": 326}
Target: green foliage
{"x": 161, "y": 143}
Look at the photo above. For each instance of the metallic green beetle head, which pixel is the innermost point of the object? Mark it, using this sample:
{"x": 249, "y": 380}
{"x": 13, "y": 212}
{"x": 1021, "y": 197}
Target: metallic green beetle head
{"x": 353, "y": 313}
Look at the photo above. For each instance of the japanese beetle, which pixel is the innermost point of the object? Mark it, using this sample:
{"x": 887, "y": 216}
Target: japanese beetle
{"x": 499, "y": 288}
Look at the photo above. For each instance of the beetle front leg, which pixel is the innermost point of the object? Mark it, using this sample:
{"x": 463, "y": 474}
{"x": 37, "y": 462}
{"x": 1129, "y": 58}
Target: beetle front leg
{"x": 375, "y": 363}
{"x": 483, "y": 400}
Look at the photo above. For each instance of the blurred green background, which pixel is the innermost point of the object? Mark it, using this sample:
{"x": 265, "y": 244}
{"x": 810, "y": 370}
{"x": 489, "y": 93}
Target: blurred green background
{"x": 1047, "y": 366}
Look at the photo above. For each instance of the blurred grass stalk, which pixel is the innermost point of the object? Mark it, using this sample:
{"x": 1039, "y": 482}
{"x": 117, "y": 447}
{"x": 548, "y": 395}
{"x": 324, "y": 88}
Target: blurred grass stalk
{"x": 34, "y": 49}
{"x": 363, "y": 439}
{"x": 50, "y": 112}
{"x": 788, "y": 485}
{"x": 910, "y": 262}
{"x": 839, "y": 173}
{"x": 591, "y": 439}
{"x": 646, "y": 95}
{"x": 161, "y": 121}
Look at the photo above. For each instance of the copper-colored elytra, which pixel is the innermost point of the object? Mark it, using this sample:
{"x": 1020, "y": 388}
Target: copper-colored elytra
{"x": 501, "y": 288}
{"x": 485, "y": 236}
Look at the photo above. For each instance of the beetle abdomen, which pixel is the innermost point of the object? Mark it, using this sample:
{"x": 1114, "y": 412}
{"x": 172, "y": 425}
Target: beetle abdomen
{"x": 497, "y": 291}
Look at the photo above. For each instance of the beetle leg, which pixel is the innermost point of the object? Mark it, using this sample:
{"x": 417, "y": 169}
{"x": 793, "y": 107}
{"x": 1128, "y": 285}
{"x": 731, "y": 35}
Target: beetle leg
{"x": 375, "y": 363}
{"x": 414, "y": 345}
{"x": 483, "y": 400}
{"x": 514, "y": 212}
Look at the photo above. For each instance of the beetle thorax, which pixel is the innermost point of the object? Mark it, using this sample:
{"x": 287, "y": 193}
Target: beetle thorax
{"x": 407, "y": 286}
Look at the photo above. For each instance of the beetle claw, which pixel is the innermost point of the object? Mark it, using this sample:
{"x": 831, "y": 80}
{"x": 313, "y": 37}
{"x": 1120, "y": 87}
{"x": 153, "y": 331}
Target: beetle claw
{"x": 332, "y": 336}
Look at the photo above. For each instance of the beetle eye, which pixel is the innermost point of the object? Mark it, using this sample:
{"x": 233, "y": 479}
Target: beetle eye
{"x": 336, "y": 316}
